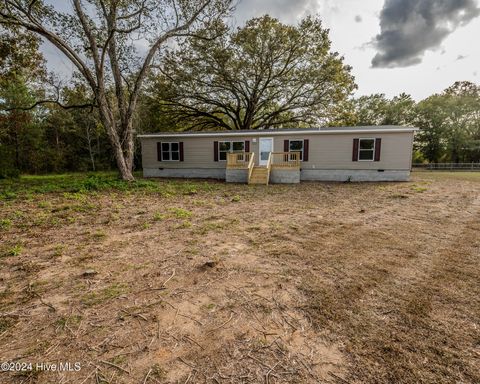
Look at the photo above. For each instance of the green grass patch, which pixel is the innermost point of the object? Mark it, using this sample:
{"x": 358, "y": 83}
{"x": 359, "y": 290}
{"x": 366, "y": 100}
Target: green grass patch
{"x": 159, "y": 216}
{"x": 108, "y": 293}
{"x": 65, "y": 321}
{"x": 211, "y": 227}
{"x": 77, "y": 186}
{"x": 16, "y": 250}
{"x": 419, "y": 189}
{"x": 158, "y": 372}
{"x": 98, "y": 235}
{"x": 5, "y": 224}
{"x": 7, "y": 195}
{"x": 184, "y": 224}
{"x": 444, "y": 175}
{"x": 208, "y": 307}
{"x": 44, "y": 204}
{"x": 180, "y": 213}
{"x": 58, "y": 250}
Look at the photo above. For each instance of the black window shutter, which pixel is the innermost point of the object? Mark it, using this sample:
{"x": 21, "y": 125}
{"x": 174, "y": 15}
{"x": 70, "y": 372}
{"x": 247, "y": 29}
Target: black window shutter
{"x": 378, "y": 148}
{"x": 159, "y": 151}
{"x": 247, "y": 146}
{"x": 286, "y": 146}
{"x": 305, "y": 149}
{"x": 180, "y": 149}
{"x": 215, "y": 151}
{"x": 356, "y": 143}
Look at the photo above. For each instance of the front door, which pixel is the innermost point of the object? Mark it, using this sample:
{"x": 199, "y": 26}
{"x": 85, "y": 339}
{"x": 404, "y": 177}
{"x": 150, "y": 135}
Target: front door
{"x": 266, "y": 146}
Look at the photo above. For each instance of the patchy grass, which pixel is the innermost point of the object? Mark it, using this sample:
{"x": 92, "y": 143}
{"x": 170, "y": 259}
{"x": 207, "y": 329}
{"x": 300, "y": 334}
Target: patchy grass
{"x": 111, "y": 292}
{"x": 180, "y": 213}
{"x": 98, "y": 235}
{"x": 183, "y": 281}
{"x": 5, "y": 224}
{"x": 76, "y": 185}
{"x": 11, "y": 251}
{"x": 64, "y": 322}
{"x": 419, "y": 189}
{"x": 441, "y": 175}
{"x": 159, "y": 216}
{"x": 5, "y": 324}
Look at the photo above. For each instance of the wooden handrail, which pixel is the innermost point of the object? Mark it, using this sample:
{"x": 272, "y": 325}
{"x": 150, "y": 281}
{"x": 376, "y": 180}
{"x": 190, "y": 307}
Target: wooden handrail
{"x": 286, "y": 160}
{"x": 269, "y": 166}
{"x": 251, "y": 164}
{"x": 239, "y": 160}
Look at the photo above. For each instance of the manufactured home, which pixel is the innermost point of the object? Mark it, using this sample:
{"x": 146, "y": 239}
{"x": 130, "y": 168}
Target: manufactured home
{"x": 370, "y": 153}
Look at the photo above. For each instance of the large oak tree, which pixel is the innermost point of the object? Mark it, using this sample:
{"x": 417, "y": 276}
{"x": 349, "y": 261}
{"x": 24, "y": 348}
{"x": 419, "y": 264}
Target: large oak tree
{"x": 104, "y": 39}
{"x": 265, "y": 74}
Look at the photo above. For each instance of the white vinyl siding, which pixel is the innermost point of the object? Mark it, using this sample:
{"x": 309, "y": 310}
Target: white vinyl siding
{"x": 327, "y": 151}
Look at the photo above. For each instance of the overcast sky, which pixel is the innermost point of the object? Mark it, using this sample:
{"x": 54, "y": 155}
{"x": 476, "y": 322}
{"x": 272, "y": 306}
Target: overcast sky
{"x": 415, "y": 46}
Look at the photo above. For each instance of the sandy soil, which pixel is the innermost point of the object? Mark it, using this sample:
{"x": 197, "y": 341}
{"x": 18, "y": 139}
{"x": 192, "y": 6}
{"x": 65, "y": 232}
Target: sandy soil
{"x": 310, "y": 283}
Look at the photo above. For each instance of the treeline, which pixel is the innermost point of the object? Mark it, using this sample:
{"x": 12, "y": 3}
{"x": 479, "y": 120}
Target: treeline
{"x": 265, "y": 74}
{"x": 449, "y": 122}
{"x": 37, "y": 137}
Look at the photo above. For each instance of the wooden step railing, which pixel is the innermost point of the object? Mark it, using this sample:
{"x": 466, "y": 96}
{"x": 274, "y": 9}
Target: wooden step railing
{"x": 286, "y": 160}
{"x": 251, "y": 165}
{"x": 269, "y": 166}
{"x": 280, "y": 160}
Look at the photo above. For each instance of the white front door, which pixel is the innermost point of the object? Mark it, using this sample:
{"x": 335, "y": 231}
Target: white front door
{"x": 266, "y": 146}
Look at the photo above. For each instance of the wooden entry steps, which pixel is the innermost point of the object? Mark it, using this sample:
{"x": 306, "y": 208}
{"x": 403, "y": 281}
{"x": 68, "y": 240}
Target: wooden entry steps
{"x": 241, "y": 167}
{"x": 260, "y": 175}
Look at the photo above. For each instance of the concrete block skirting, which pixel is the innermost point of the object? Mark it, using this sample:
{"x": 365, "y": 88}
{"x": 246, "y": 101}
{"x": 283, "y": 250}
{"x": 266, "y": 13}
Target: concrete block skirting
{"x": 200, "y": 173}
{"x": 281, "y": 176}
{"x": 236, "y": 176}
{"x": 354, "y": 175}
{"x": 284, "y": 176}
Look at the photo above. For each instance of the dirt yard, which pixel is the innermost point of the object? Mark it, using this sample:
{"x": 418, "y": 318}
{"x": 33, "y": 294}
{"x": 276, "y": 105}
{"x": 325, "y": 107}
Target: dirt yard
{"x": 215, "y": 283}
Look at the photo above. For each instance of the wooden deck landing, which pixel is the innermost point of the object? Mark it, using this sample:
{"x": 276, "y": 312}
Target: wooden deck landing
{"x": 261, "y": 174}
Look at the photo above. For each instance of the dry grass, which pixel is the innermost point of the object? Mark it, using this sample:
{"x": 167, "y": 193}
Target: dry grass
{"x": 215, "y": 283}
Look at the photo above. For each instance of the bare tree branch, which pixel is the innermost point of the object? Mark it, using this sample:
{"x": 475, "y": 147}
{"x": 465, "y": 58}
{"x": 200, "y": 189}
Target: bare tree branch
{"x": 56, "y": 102}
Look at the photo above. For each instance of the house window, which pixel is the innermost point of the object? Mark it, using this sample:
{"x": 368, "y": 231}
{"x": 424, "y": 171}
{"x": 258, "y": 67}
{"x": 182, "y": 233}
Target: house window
{"x": 170, "y": 152}
{"x": 366, "y": 150}
{"x": 296, "y": 146}
{"x": 225, "y": 147}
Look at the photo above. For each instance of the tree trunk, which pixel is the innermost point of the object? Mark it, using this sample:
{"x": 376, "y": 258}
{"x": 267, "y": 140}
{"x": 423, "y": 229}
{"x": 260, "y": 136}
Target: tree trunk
{"x": 125, "y": 172}
{"x": 129, "y": 144}
{"x": 123, "y": 161}
{"x": 121, "y": 152}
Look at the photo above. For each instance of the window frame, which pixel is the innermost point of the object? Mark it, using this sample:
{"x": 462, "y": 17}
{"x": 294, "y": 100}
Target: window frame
{"x": 231, "y": 148}
{"x": 303, "y": 147}
{"x": 170, "y": 150}
{"x": 360, "y": 146}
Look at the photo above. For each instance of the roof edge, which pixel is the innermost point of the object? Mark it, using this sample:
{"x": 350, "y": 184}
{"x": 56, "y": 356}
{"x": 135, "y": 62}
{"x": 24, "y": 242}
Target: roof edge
{"x": 260, "y": 132}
